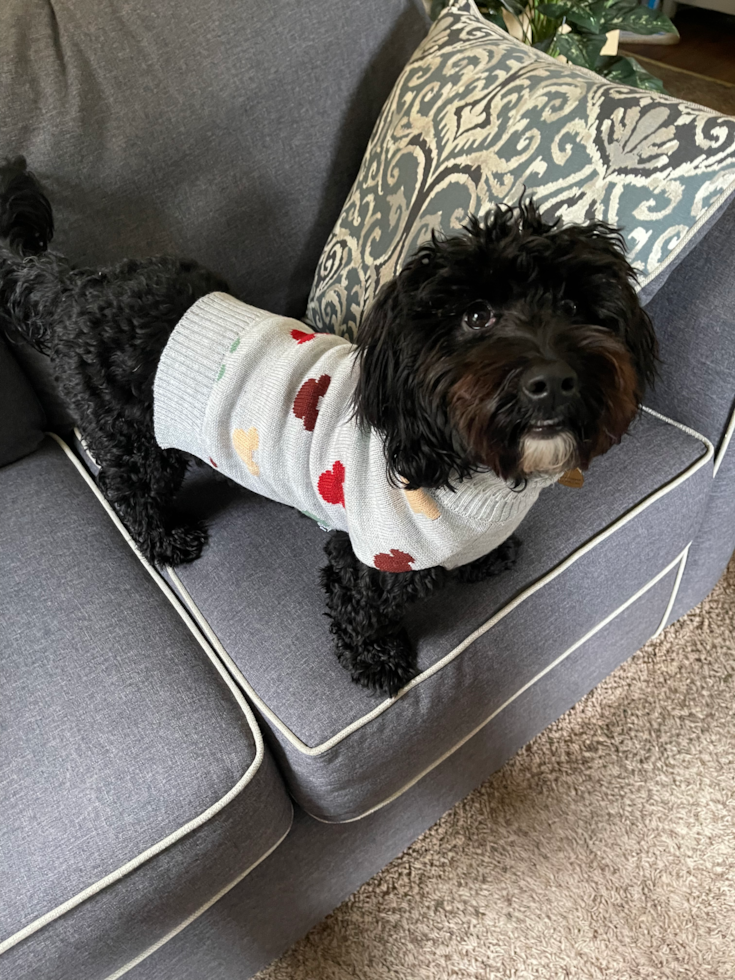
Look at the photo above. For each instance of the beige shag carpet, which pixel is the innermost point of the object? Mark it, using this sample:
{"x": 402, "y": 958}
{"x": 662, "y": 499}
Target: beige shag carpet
{"x": 605, "y": 850}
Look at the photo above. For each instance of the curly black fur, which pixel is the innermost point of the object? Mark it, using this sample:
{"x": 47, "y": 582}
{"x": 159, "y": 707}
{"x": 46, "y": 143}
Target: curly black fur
{"x": 26, "y": 221}
{"x": 517, "y": 346}
{"x": 104, "y": 331}
{"x": 449, "y": 399}
{"x": 367, "y": 606}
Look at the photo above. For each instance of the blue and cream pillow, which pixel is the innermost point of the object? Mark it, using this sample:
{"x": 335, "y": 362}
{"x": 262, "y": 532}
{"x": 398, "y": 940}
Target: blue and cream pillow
{"x": 475, "y": 118}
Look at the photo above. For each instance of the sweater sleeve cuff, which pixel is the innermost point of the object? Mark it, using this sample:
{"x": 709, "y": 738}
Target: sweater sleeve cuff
{"x": 188, "y": 370}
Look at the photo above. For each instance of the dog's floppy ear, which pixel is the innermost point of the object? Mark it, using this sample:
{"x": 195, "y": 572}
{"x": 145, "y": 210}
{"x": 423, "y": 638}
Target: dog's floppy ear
{"x": 377, "y": 361}
{"x": 418, "y": 438}
{"x": 641, "y": 341}
{"x": 601, "y": 249}
{"x": 636, "y": 325}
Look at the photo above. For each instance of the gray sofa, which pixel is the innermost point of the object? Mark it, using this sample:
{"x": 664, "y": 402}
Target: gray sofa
{"x": 189, "y": 780}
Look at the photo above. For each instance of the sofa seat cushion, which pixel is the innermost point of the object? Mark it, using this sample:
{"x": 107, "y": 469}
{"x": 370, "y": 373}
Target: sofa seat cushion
{"x": 476, "y": 119}
{"x": 344, "y": 752}
{"x": 135, "y": 786}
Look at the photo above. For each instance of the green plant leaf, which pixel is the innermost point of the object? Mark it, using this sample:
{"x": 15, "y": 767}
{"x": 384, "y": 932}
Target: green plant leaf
{"x": 599, "y": 7}
{"x": 514, "y": 7}
{"x": 628, "y": 71}
{"x": 436, "y": 8}
{"x": 584, "y": 18}
{"x": 492, "y": 12}
{"x": 489, "y": 7}
{"x": 639, "y": 20}
{"x": 581, "y": 49}
{"x": 557, "y": 11}
{"x": 545, "y": 44}
{"x": 589, "y": 22}
{"x": 496, "y": 19}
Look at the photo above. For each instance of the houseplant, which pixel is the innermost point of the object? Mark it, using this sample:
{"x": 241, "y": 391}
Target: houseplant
{"x": 578, "y": 31}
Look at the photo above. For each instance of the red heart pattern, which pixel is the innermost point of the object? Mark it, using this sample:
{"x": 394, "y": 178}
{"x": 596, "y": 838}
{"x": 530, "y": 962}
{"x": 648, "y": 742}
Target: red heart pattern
{"x": 331, "y": 484}
{"x": 396, "y": 561}
{"x": 301, "y": 337}
{"x": 305, "y": 403}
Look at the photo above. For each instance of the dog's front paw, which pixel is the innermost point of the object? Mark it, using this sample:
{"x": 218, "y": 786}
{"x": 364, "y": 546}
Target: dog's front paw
{"x": 178, "y": 545}
{"x": 383, "y": 663}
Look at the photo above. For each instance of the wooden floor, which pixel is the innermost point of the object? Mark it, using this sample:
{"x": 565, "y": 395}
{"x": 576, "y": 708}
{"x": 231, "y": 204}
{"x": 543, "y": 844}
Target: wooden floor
{"x": 707, "y": 45}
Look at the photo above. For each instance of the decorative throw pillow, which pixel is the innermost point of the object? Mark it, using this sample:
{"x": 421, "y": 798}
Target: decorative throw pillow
{"x": 476, "y": 118}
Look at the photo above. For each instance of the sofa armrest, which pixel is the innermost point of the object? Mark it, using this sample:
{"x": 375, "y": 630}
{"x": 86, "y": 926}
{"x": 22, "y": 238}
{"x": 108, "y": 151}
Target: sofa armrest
{"x": 694, "y": 317}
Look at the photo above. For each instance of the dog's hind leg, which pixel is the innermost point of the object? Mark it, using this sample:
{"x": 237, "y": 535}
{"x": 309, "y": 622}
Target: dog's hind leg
{"x": 366, "y": 608}
{"x": 140, "y": 480}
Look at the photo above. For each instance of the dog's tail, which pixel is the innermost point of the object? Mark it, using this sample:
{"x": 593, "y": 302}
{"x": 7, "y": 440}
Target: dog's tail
{"x": 26, "y": 219}
{"x": 26, "y": 228}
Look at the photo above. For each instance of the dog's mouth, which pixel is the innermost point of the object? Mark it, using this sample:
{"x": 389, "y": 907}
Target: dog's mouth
{"x": 547, "y": 426}
{"x": 548, "y": 446}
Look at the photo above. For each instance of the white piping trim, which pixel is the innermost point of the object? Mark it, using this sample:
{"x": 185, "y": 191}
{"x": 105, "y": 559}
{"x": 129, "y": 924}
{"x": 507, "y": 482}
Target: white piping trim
{"x": 725, "y": 443}
{"x": 719, "y": 455}
{"x": 440, "y": 664}
{"x": 195, "y": 915}
{"x": 83, "y": 443}
{"x": 674, "y": 592}
{"x": 207, "y": 814}
{"x": 680, "y": 425}
{"x": 608, "y": 619}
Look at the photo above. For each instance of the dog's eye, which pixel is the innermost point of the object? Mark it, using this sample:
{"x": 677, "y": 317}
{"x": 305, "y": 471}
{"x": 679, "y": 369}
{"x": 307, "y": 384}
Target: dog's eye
{"x": 479, "y": 315}
{"x": 568, "y": 306}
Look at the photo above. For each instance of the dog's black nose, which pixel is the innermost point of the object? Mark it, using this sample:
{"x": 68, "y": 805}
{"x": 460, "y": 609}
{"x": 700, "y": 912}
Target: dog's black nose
{"x": 549, "y": 384}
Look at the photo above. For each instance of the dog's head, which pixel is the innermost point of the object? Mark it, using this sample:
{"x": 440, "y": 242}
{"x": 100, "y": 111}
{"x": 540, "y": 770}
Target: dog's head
{"x": 517, "y": 346}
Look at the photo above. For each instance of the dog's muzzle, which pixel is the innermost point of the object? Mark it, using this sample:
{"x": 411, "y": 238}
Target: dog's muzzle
{"x": 552, "y": 453}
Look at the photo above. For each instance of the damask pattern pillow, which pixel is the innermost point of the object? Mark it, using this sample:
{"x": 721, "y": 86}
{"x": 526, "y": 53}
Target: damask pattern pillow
{"x": 475, "y": 118}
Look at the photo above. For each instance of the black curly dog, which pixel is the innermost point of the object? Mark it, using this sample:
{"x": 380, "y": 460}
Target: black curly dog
{"x": 517, "y": 345}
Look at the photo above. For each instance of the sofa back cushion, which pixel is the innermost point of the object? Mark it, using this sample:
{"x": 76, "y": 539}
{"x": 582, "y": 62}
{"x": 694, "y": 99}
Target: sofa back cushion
{"x": 226, "y": 132}
{"x": 21, "y": 417}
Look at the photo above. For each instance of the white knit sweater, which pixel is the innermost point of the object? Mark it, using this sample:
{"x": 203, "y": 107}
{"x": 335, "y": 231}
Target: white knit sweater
{"x": 269, "y": 403}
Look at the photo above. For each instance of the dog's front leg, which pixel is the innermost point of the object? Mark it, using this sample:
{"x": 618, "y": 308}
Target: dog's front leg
{"x": 366, "y": 608}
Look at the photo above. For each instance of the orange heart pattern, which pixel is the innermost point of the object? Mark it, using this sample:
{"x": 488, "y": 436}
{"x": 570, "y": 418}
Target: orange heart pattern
{"x": 421, "y": 503}
{"x": 245, "y": 444}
